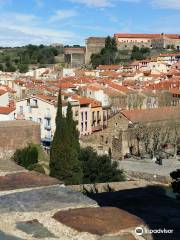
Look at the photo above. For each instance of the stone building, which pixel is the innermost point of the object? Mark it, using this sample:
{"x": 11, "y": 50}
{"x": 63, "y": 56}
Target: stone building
{"x": 117, "y": 135}
{"x": 16, "y": 135}
{"x": 93, "y": 46}
{"x": 155, "y": 41}
{"x": 74, "y": 56}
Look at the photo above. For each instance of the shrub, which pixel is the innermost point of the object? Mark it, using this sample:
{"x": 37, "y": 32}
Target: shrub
{"x": 26, "y": 156}
{"x": 99, "y": 169}
{"x": 37, "y": 168}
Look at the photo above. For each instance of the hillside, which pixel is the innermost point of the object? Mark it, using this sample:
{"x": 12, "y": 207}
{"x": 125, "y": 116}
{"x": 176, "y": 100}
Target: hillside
{"x": 19, "y": 58}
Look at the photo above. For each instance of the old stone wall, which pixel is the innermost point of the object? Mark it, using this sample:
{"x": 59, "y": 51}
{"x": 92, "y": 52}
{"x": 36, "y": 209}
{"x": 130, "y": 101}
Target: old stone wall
{"x": 93, "y": 46}
{"x": 130, "y": 45}
{"x": 113, "y": 137}
{"x": 16, "y": 135}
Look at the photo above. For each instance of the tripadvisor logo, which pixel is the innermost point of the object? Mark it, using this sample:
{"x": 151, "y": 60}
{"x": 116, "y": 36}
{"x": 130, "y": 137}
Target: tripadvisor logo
{"x": 140, "y": 231}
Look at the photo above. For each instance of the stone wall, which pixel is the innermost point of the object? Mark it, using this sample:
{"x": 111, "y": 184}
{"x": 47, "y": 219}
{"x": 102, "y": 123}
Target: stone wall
{"x": 74, "y": 56}
{"x": 113, "y": 137}
{"x": 159, "y": 43}
{"x": 130, "y": 45}
{"x": 16, "y": 135}
{"x": 93, "y": 46}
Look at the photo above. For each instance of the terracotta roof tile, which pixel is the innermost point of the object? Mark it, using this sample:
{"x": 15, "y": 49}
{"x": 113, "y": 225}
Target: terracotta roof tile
{"x": 6, "y": 110}
{"x": 151, "y": 115}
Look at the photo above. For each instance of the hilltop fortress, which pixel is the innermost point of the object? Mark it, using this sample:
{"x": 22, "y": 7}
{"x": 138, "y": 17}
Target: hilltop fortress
{"x": 128, "y": 41}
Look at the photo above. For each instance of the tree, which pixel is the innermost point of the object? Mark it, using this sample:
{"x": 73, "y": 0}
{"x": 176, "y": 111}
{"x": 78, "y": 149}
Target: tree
{"x": 99, "y": 168}
{"x": 165, "y": 98}
{"x": 72, "y": 128}
{"x": 64, "y": 162}
{"x": 137, "y": 133}
{"x": 23, "y": 68}
{"x": 107, "y": 56}
{"x": 139, "y": 53}
{"x": 156, "y": 140}
{"x": 1, "y": 67}
{"x": 174, "y": 138}
{"x": 26, "y": 157}
{"x": 96, "y": 60}
{"x": 176, "y": 183}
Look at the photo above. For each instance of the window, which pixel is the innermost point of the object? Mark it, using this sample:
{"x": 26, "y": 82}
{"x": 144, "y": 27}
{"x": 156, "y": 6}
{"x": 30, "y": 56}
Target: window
{"x": 48, "y": 122}
{"x": 85, "y": 126}
{"x": 93, "y": 116}
{"x": 82, "y": 127}
{"x": 98, "y": 115}
{"x": 35, "y": 102}
{"x": 39, "y": 120}
{"x": 30, "y": 109}
{"x": 21, "y": 109}
{"x": 86, "y": 116}
{"x": 82, "y": 118}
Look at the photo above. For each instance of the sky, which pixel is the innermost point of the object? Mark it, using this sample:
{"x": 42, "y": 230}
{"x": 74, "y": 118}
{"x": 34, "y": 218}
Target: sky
{"x": 25, "y": 22}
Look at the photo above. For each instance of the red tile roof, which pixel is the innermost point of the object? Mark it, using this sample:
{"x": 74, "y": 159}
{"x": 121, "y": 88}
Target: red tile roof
{"x": 175, "y": 91}
{"x": 86, "y": 101}
{"x": 149, "y": 36}
{"x": 6, "y": 110}
{"x": 2, "y": 92}
{"x": 170, "y": 55}
{"x": 109, "y": 67}
{"x": 152, "y": 115}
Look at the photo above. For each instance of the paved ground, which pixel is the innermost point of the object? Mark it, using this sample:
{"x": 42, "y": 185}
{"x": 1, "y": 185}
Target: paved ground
{"x": 100, "y": 221}
{"x": 149, "y": 204}
{"x": 150, "y": 167}
{"x": 28, "y": 202}
{"x": 9, "y": 166}
{"x": 25, "y": 180}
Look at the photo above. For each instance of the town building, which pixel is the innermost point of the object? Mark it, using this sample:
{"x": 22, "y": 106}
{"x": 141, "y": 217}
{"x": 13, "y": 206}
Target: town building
{"x": 42, "y": 109}
{"x": 155, "y": 41}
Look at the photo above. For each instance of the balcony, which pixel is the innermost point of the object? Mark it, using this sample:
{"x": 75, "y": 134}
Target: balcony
{"x": 47, "y": 127}
{"x": 94, "y": 119}
{"x": 47, "y": 116}
{"x": 97, "y": 128}
{"x": 33, "y": 105}
{"x": 99, "y": 119}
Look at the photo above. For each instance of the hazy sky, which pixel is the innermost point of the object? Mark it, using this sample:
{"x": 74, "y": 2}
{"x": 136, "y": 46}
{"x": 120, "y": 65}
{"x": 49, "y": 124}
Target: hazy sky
{"x": 72, "y": 21}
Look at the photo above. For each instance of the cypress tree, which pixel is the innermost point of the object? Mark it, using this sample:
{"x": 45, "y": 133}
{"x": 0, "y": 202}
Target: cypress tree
{"x": 73, "y": 131}
{"x": 74, "y": 146}
{"x": 64, "y": 163}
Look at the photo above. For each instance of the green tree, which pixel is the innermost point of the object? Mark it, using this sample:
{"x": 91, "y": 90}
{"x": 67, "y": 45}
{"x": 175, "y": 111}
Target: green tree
{"x": 27, "y": 156}
{"x": 96, "y": 60}
{"x": 23, "y": 68}
{"x": 72, "y": 128}
{"x": 64, "y": 162}
{"x": 107, "y": 56}
{"x": 139, "y": 53}
{"x": 1, "y": 67}
{"x": 9, "y": 67}
{"x": 99, "y": 168}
